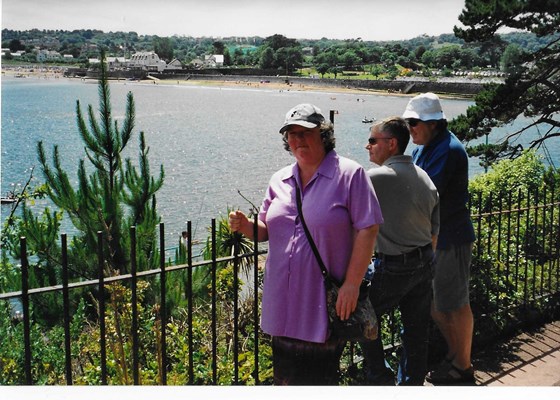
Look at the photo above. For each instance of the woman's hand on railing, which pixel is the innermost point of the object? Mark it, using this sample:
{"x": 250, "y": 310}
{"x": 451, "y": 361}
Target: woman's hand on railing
{"x": 237, "y": 220}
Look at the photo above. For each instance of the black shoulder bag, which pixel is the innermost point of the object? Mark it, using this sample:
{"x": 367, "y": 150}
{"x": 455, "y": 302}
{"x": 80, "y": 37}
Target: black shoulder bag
{"x": 362, "y": 324}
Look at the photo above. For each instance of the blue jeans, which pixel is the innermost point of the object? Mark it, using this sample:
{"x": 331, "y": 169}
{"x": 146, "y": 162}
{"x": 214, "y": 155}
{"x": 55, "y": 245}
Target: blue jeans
{"x": 407, "y": 284}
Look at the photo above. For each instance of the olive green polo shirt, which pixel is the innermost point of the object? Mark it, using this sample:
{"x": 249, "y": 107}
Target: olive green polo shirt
{"x": 410, "y": 205}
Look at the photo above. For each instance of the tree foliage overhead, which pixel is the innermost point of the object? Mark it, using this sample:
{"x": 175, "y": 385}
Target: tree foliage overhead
{"x": 532, "y": 89}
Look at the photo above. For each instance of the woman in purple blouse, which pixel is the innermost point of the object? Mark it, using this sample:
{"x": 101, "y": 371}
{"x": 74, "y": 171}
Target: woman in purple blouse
{"x": 342, "y": 213}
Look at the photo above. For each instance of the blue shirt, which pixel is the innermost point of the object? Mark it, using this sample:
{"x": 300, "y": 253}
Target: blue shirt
{"x": 446, "y": 162}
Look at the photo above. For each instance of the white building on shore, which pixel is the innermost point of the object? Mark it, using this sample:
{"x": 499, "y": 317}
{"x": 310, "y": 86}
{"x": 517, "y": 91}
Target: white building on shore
{"x": 48, "y": 55}
{"x": 214, "y": 60}
{"x": 147, "y": 60}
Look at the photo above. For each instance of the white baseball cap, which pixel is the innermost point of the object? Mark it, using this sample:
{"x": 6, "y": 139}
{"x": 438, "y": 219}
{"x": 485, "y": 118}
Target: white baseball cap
{"x": 425, "y": 107}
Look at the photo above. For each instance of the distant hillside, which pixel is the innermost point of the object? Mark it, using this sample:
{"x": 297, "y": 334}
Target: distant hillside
{"x": 423, "y": 56}
{"x": 74, "y": 42}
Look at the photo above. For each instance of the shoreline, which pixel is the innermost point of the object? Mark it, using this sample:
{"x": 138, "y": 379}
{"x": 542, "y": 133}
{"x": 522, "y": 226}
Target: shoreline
{"x": 264, "y": 84}
{"x": 276, "y": 86}
{"x": 309, "y": 86}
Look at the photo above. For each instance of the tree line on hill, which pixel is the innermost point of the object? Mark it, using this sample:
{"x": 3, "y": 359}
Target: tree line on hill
{"x": 444, "y": 52}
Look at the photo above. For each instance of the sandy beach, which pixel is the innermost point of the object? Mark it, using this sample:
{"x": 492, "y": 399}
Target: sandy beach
{"x": 313, "y": 85}
{"x": 266, "y": 84}
{"x": 53, "y": 73}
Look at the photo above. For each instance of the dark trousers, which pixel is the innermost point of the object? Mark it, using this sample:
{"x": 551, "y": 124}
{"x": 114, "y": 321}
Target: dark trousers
{"x": 406, "y": 284}
{"x": 298, "y": 362}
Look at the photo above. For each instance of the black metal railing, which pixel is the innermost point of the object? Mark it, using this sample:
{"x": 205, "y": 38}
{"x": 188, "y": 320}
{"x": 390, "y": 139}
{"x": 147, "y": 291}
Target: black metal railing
{"x": 516, "y": 267}
{"x": 132, "y": 279}
{"x": 516, "y": 256}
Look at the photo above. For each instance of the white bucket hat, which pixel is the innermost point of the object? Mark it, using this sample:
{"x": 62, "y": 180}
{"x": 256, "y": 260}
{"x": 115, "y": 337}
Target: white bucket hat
{"x": 425, "y": 107}
{"x": 306, "y": 115}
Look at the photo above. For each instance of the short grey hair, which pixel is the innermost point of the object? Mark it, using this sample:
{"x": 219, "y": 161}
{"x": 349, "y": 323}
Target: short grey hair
{"x": 396, "y": 127}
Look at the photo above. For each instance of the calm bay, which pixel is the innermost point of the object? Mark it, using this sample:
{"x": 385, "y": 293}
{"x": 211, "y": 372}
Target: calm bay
{"x": 211, "y": 141}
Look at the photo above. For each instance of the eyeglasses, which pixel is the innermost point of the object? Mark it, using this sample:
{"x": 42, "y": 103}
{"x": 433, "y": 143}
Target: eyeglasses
{"x": 373, "y": 140}
{"x": 412, "y": 122}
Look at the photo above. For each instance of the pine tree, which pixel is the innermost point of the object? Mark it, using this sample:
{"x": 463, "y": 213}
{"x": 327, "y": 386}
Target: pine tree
{"x": 112, "y": 194}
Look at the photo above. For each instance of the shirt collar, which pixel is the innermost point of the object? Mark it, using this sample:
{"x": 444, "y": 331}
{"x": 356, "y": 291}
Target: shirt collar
{"x": 402, "y": 158}
{"x": 327, "y": 168}
{"x": 439, "y": 137}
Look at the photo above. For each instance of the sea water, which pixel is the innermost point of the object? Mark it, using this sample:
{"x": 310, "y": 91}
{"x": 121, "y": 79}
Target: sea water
{"x": 212, "y": 142}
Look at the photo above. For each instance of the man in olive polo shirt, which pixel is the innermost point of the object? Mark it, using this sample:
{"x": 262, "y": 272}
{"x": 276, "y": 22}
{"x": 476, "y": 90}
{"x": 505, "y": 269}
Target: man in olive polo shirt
{"x": 404, "y": 252}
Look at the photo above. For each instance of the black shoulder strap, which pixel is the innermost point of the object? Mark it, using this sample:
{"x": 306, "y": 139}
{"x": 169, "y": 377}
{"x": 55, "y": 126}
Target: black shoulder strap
{"x": 309, "y": 237}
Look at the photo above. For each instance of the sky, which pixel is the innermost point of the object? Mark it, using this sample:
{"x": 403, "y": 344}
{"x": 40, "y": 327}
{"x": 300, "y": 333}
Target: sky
{"x": 375, "y": 20}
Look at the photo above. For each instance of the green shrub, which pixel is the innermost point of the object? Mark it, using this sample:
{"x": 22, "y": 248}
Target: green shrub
{"x": 516, "y": 252}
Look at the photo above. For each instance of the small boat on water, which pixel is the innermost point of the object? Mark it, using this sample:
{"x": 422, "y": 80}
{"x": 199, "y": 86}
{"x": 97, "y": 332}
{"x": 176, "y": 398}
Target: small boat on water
{"x": 8, "y": 199}
{"x": 367, "y": 120}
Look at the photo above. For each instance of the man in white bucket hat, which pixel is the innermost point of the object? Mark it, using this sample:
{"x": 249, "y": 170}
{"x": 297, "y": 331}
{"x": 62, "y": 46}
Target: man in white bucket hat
{"x": 444, "y": 158}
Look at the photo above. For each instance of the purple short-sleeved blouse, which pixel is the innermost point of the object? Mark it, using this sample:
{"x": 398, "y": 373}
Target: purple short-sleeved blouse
{"x": 338, "y": 201}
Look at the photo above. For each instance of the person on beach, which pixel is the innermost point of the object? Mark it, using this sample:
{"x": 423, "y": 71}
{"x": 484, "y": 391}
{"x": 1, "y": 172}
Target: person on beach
{"x": 444, "y": 158}
{"x": 342, "y": 213}
{"x": 184, "y": 240}
{"x": 402, "y": 275}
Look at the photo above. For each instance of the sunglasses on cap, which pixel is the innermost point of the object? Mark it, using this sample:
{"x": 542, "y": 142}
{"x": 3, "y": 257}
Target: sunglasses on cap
{"x": 412, "y": 122}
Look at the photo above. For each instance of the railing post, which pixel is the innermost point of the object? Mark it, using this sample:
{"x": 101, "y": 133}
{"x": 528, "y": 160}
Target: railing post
{"x": 256, "y": 294}
{"x": 543, "y": 252}
{"x": 508, "y": 241}
{"x": 25, "y": 304}
{"x": 214, "y": 311}
{"x": 554, "y": 242}
{"x": 190, "y": 304}
{"x": 163, "y": 306}
{"x": 237, "y": 237}
{"x": 101, "y": 300}
{"x": 517, "y": 241}
{"x": 479, "y": 227}
{"x": 551, "y": 238}
{"x": 557, "y": 250}
{"x": 488, "y": 268}
{"x": 499, "y": 256}
{"x": 134, "y": 327}
{"x": 66, "y": 309}
{"x": 535, "y": 224}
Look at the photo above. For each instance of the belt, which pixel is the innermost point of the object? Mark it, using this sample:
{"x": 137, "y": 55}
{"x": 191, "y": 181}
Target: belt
{"x": 416, "y": 254}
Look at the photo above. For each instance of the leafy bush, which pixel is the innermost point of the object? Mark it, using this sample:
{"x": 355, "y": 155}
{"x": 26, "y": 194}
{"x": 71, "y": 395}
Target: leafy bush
{"x": 516, "y": 252}
{"x": 525, "y": 173}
